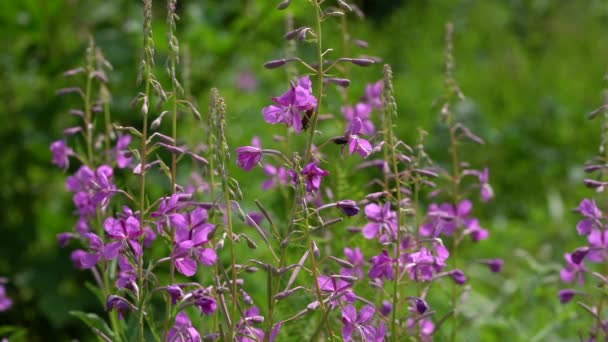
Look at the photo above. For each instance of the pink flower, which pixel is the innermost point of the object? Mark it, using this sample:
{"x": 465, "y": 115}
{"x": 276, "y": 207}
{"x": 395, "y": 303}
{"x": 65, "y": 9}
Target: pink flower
{"x": 248, "y": 157}
{"x": 289, "y": 106}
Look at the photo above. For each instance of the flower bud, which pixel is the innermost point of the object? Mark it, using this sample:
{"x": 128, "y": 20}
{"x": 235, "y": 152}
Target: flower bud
{"x": 419, "y": 304}
{"x": 275, "y": 63}
{"x": 458, "y": 276}
{"x": 348, "y": 207}
{"x": 315, "y": 250}
{"x": 386, "y": 308}
{"x": 341, "y": 82}
{"x": 566, "y": 295}
{"x": 283, "y": 5}
{"x": 495, "y": 265}
{"x": 579, "y": 254}
{"x": 362, "y": 61}
{"x": 361, "y": 43}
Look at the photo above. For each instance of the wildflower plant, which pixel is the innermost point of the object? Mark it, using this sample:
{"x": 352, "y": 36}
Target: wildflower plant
{"x": 171, "y": 267}
{"x": 583, "y": 271}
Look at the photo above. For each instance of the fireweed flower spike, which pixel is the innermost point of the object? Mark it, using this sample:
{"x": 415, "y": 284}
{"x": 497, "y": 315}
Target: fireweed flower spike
{"x": 289, "y": 107}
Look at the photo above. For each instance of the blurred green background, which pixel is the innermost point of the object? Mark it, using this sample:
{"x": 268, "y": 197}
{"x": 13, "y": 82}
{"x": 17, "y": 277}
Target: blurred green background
{"x": 531, "y": 70}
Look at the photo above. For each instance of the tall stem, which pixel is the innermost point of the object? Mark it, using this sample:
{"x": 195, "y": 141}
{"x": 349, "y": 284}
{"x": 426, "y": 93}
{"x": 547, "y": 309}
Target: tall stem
{"x": 222, "y": 150}
{"x": 88, "y": 114}
{"x": 173, "y": 57}
{"x": 147, "y": 76}
{"x": 320, "y": 76}
{"x": 390, "y": 155}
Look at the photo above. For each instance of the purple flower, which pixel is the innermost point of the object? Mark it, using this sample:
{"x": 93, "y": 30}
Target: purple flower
{"x": 175, "y": 292}
{"x": 425, "y": 327}
{"x": 382, "y": 266}
{"x": 592, "y": 215}
{"x": 348, "y": 207}
{"x": 247, "y": 332}
{"x": 182, "y": 330}
{"x": 275, "y": 176}
{"x": 248, "y": 157}
{"x": 424, "y": 264}
{"x": 91, "y": 189}
{"x": 572, "y": 271}
{"x": 566, "y": 295}
{"x": 125, "y": 232}
{"x": 64, "y": 238}
{"x": 103, "y": 188}
{"x": 149, "y": 237}
{"x": 5, "y": 301}
{"x": 121, "y": 151}
{"x": 383, "y": 221}
{"x": 289, "y": 106}
{"x": 204, "y": 303}
{"x": 192, "y": 241}
{"x": 495, "y": 265}
{"x": 598, "y": 241}
{"x": 355, "y": 257}
{"x": 359, "y": 323}
{"x": 61, "y": 152}
{"x": 126, "y": 276}
{"x": 335, "y": 287}
{"x": 167, "y": 213}
{"x": 119, "y": 304}
{"x": 360, "y": 111}
{"x": 419, "y": 305}
{"x": 355, "y": 143}
{"x": 458, "y": 276}
{"x": 313, "y": 176}
{"x": 245, "y": 80}
{"x": 485, "y": 190}
{"x": 474, "y": 229}
{"x": 386, "y": 308}
{"x": 83, "y": 260}
{"x": 446, "y": 218}
{"x": 373, "y": 94}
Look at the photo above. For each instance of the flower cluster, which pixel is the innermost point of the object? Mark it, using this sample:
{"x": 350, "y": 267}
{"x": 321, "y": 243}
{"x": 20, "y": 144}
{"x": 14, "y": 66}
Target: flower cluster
{"x": 182, "y": 244}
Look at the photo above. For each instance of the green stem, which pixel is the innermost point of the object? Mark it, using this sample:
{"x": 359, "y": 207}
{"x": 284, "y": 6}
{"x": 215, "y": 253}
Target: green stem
{"x": 88, "y": 117}
{"x": 320, "y": 75}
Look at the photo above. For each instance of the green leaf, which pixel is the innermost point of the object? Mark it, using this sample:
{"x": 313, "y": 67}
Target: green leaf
{"x": 96, "y": 291}
{"x": 95, "y": 322}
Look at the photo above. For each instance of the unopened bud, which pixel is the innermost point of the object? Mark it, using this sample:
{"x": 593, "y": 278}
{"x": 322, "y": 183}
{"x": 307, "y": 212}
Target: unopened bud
{"x": 579, "y": 254}
{"x": 283, "y": 5}
{"x": 348, "y": 207}
{"x": 362, "y": 61}
{"x": 316, "y": 250}
{"x": 275, "y": 63}
{"x": 361, "y": 43}
{"x": 341, "y": 82}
